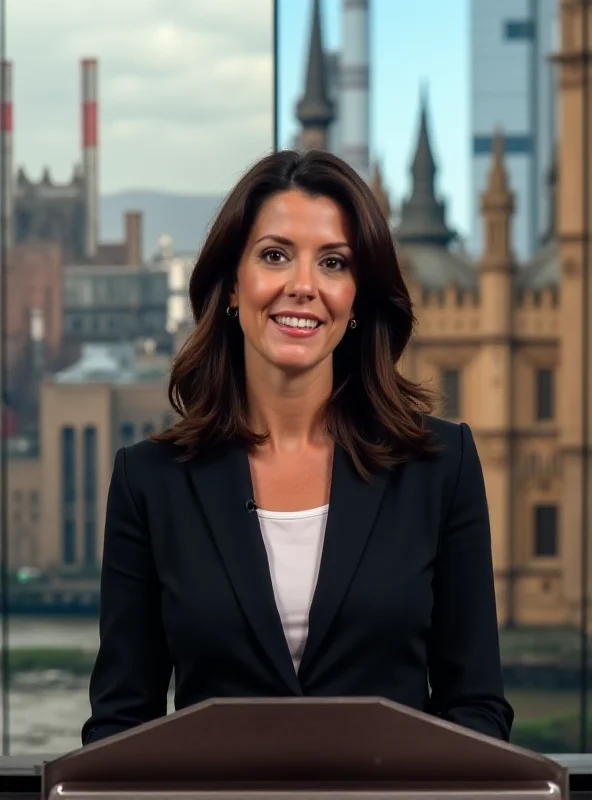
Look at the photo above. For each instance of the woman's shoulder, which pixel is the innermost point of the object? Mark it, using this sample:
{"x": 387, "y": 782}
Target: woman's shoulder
{"x": 452, "y": 440}
{"x": 446, "y": 434}
{"x": 148, "y": 456}
{"x": 453, "y": 463}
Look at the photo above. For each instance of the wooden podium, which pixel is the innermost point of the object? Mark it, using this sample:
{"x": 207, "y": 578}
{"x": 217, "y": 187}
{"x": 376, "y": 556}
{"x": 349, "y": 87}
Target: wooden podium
{"x": 302, "y": 749}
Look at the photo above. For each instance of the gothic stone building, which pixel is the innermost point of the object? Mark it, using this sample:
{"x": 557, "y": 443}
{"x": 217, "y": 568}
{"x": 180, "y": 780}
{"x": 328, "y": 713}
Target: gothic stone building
{"x": 506, "y": 343}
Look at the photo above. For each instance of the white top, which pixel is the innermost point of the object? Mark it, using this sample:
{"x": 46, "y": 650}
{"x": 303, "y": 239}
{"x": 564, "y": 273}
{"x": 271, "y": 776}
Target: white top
{"x": 294, "y": 544}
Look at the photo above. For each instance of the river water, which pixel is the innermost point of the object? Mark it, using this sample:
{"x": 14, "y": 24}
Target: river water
{"x": 46, "y": 712}
{"x": 47, "y": 709}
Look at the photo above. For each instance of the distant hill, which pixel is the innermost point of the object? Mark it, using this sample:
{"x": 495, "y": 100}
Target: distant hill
{"x": 183, "y": 217}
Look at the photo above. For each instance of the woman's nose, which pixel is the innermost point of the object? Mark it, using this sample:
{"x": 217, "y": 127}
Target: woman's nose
{"x": 302, "y": 281}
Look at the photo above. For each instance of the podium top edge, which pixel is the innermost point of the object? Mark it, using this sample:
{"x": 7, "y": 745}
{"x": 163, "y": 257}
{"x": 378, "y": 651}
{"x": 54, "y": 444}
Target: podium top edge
{"x": 281, "y": 704}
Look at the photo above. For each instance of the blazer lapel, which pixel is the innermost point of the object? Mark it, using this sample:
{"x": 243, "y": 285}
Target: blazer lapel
{"x": 223, "y": 484}
{"x": 353, "y": 507}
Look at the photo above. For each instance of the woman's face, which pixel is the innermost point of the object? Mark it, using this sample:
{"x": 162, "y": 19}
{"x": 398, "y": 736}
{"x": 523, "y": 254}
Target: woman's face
{"x": 295, "y": 287}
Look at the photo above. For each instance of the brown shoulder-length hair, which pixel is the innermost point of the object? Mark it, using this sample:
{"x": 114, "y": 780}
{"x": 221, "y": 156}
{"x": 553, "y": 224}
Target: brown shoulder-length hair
{"x": 374, "y": 413}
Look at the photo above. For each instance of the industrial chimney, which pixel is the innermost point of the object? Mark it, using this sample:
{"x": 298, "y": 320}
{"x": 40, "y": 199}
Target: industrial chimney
{"x": 90, "y": 154}
{"x": 6, "y": 128}
{"x": 355, "y": 90}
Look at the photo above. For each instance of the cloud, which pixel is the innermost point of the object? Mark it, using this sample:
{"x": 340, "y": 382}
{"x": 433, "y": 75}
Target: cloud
{"x": 185, "y": 88}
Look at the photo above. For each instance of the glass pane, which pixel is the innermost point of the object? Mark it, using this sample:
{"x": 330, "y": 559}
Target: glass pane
{"x": 131, "y": 121}
{"x": 461, "y": 121}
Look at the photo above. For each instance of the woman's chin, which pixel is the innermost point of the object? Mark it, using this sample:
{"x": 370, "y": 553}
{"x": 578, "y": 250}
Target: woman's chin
{"x": 294, "y": 363}
{"x": 296, "y": 367}
{"x": 291, "y": 358}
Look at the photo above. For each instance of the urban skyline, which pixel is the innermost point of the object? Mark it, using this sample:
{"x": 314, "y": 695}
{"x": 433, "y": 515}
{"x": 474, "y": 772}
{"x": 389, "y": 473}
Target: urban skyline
{"x": 131, "y": 129}
{"x": 423, "y": 36}
{"x": 165, "y": 80}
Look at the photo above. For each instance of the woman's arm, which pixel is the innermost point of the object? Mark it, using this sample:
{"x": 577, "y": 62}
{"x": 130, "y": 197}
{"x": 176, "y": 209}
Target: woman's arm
{"x": 130, "y": 680}
{"x": 464, "y": 662}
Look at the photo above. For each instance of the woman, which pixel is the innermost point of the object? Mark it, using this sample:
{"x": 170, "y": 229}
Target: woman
{"x": 305, "y": 529}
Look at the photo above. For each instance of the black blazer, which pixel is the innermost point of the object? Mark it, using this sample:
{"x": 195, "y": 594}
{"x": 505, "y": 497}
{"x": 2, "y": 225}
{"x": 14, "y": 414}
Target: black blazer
{"x": 404, "y": 606}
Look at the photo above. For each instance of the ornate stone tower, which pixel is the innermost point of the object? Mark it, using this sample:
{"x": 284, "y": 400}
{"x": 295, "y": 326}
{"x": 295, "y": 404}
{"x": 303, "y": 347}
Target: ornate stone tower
{"x": 574, "y": 213}
{"x": 496, "y": 407}
{"x": 497, "y": 262}
{"x": 315, "y": 110}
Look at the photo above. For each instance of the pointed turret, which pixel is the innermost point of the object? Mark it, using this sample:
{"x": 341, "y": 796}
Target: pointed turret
{"x": 497, "y": 190}
{"x": 315, "y": 110}
{"x": 423, "y": 215}
{"x": 423, "y": 167}
{"x": 380, "y": 192}
{"x": 497, "y": 207}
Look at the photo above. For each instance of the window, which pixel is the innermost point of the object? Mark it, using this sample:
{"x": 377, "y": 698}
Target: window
{"x": 69, "y": 542}
{"x": 90, "y": 494}
{"x": 68, "y": 495}
{"x": 545, "y": 531}
{"x": 147, "y": 429}
{"x": 545, "y": 394}
{"x": 519, "y": 30}
{"x": 450, "y": 388}
{"x": 34, "y": 505}
{"x": 127, "y": 434}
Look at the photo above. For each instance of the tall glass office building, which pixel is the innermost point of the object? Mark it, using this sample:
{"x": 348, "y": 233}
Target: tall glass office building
{"x": 512, "y": 89}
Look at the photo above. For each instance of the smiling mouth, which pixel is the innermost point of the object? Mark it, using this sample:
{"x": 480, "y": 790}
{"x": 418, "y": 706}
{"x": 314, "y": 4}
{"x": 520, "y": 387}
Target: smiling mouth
{"x": 297, "y": 323}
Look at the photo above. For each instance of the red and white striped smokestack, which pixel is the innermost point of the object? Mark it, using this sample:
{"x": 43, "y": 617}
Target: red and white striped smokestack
{"x": 90, "y": 153}
{"x": 7, "y": 155}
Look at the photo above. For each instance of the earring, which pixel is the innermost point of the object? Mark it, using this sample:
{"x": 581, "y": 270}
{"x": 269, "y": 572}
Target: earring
{"x": 353, "y": 324}
{"x": 232, "y": 311}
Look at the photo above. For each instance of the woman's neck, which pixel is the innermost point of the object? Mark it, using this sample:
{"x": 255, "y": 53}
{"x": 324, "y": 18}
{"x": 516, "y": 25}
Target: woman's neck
{"x": 288, "y": 408}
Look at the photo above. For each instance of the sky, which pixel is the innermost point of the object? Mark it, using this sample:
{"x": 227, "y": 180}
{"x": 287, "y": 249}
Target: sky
{"x": 185, "y": 88}
{"x": 412, "y": 42}
{"x": 186, "y": 91}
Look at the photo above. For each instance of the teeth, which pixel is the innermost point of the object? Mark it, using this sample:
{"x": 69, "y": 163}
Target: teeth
{"x": 297, "y": 322}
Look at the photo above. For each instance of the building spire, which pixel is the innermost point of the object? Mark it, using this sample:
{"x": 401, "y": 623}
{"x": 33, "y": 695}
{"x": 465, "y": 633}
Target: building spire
{"x": 498, "y": 189}
{"x": 497, "y": 206}
{"x": 423, "y": 168}
{"x": 422, "y": 214}
{"x": 315, "y": 109}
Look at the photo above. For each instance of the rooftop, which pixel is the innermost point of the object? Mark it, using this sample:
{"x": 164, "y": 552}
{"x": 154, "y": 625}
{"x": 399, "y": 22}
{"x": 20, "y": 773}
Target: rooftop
{"x": 119, "y": 363}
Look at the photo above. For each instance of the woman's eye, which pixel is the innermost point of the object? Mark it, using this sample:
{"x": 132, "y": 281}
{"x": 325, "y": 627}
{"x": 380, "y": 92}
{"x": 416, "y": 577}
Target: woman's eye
{"x": 333, "y": 263}
{"x": 273, "y": 256}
